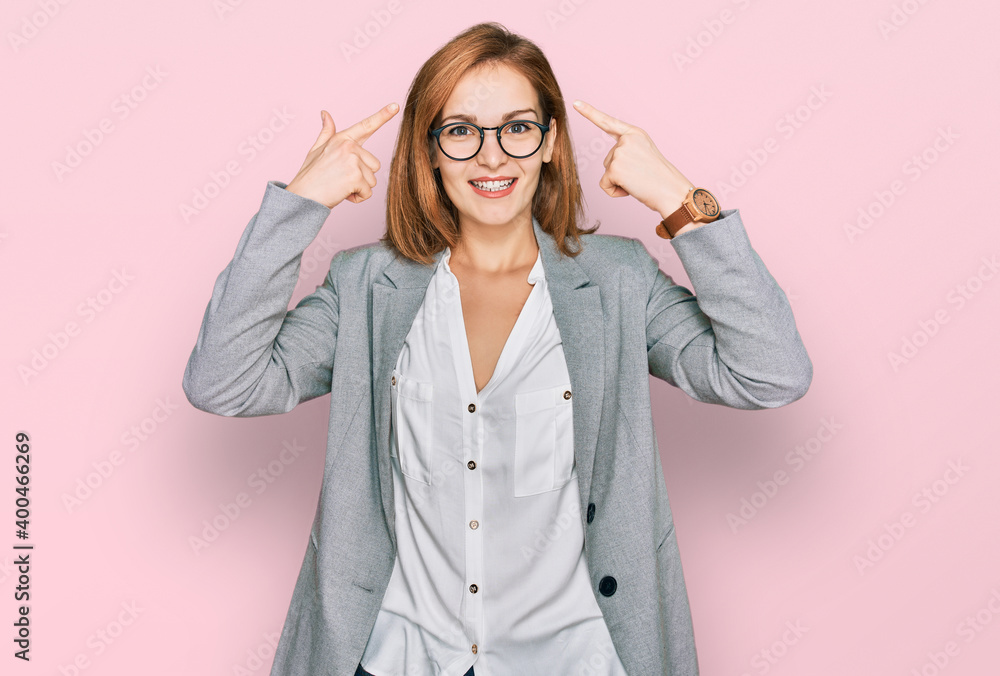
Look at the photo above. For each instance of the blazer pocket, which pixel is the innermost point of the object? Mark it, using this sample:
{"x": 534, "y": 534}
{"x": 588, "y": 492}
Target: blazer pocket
{"x": 413, "y": 425}
{"x": 543, "y": 440}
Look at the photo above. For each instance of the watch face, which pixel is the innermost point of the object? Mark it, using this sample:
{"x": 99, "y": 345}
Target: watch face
{"x": 705, "y": 202}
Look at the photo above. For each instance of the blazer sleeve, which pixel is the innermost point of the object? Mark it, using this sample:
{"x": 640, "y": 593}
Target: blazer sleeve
{"x": 736, "y": 343}
{"x": 253, "y": 356}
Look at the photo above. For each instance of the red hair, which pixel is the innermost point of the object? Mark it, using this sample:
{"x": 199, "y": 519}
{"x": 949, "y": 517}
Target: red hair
{"x": 420, "y": 218}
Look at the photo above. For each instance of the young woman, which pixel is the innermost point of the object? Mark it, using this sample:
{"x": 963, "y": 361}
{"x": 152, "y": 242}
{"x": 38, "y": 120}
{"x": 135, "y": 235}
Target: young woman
{"x": 493, "y": 501}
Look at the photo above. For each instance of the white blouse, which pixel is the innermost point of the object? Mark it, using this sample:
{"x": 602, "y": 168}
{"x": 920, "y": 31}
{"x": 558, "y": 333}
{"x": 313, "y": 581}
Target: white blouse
{"x": 490, "y": 569}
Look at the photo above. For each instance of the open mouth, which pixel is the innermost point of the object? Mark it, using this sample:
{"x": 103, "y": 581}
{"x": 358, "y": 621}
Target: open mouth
{"x": 494, "y": 188}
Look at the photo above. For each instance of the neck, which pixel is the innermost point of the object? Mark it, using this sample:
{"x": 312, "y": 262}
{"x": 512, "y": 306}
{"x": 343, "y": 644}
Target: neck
{"x": 495, "y": 249}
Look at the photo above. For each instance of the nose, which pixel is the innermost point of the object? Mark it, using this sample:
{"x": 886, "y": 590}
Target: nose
{"x": 491, "y": 154}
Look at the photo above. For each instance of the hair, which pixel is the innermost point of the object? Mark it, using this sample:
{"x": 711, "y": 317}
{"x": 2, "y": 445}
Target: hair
{"x": 420, "y": 218}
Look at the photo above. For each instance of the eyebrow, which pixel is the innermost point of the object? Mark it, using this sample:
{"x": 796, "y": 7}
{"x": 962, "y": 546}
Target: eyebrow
{"x": 472, "y": 118}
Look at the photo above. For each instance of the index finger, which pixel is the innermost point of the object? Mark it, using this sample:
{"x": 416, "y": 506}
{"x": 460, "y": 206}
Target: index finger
{"x": 360, "y": 131}
{"x": 610, "y": 124}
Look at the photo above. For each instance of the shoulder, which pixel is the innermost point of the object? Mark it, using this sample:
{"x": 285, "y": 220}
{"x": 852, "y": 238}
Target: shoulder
{"x": 605, "y": 256}
{"x": 361, "y": 263}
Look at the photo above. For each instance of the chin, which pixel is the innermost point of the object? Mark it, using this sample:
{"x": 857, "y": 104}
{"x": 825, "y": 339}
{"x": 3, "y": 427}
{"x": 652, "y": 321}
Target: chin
{"x": 491, "y": 216}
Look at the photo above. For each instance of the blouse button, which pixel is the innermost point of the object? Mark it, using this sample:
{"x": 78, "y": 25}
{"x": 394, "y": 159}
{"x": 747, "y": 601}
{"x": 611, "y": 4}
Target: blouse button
{"x": 473, "y": 525}
{"x": 472, "y": 408}
{"x": 472, "y": 464}
{"x": 567, "y": 394}
{"x": 475, "y": 649}
{"x": 394, "y": 380}
{"x": 473, "y": 588}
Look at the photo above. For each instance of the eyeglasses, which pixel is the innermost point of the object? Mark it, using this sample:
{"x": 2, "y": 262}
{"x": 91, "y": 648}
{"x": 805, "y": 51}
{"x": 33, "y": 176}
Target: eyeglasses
{"x": 462, "y": 140}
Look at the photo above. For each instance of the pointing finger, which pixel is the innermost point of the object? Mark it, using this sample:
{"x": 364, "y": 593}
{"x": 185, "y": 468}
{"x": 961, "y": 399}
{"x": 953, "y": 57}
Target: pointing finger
{"x": 610, "y": 124}
{"x": 360, "y": 131}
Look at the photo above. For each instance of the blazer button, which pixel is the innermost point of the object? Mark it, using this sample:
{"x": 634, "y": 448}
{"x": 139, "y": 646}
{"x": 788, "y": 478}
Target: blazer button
{"x": 590, "y": 512}
{"x": 608, "y": 585}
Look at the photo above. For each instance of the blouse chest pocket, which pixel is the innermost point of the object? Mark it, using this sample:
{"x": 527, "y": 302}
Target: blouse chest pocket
{"x": 412, "y": 423}
{"x": 543, "y": 440}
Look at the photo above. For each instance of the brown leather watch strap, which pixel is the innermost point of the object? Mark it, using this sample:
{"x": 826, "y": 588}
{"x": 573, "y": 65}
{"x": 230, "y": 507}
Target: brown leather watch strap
{"x": 668, "y": 227}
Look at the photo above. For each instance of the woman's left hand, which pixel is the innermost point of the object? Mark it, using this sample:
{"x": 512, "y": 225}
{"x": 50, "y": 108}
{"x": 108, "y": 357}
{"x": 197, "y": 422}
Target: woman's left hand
{"x": 635, "y": 167}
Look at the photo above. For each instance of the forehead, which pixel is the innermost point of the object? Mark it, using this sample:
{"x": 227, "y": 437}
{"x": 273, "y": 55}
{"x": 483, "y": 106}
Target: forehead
{"x": 488, "y": 91}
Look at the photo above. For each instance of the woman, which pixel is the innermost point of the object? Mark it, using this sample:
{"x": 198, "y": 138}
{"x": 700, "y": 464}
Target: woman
{"x": 493, "y": 501}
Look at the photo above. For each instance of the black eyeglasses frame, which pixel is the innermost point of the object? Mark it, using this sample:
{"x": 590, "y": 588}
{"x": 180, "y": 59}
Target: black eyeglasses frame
{"x": 436, "y": 133}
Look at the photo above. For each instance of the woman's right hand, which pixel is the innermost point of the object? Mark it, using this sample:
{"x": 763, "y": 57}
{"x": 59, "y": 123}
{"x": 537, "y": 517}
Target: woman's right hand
{"x": 337, "y": 167}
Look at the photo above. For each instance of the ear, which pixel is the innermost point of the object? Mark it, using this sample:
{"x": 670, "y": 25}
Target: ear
{"x": 550, "y": 141}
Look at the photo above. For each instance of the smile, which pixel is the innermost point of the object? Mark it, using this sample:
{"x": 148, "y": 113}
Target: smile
{"x": 494, "y": 188}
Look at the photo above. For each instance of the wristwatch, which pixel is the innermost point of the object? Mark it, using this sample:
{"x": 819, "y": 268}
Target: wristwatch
{"x": 699, "y": 206}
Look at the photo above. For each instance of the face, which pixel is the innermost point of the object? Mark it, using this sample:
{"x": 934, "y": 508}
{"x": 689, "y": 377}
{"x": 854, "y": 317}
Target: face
{"x": 484, "y": 96}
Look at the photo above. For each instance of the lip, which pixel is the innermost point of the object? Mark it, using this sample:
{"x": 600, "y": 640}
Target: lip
{"x": 499, "y": 193}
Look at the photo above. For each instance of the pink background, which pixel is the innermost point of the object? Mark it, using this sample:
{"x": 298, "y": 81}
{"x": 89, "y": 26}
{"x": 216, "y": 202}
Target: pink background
{"x": 818, "y": 553}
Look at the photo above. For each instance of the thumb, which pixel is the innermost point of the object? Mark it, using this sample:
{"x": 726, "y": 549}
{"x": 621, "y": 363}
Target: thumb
{"x": 328, "y": 130}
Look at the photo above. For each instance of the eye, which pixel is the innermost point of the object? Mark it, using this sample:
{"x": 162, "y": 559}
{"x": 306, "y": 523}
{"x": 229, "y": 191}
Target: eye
{"x": 460, "y": 130}
{"x": 517, "y": 128}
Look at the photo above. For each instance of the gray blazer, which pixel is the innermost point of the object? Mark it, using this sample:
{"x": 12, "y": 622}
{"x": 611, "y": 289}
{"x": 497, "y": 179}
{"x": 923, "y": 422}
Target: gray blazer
{"x": 620, "y": 319}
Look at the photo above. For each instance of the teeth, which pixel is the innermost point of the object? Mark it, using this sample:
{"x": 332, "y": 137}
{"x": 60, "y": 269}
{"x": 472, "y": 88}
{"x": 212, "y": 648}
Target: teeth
{"x": 493, "y": 186}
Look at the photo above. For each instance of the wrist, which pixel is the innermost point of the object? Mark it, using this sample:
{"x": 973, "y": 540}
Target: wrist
{"x": 666, "y": 207}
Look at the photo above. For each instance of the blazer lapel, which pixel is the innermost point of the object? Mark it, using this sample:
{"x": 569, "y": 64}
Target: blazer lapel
{"x": 396, "y": 297}
{"x": 576, "y": 305}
